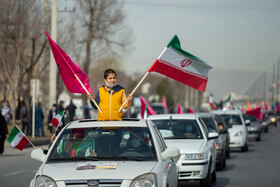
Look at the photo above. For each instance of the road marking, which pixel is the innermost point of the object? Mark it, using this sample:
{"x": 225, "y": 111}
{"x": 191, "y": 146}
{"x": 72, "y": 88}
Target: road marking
{"x": 14, "y": 173}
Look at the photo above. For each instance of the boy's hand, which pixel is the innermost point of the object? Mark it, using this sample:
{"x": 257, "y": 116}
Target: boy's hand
{"x": 90, "y": 96}
{"x": 53, "y": 137}
{"x": 129, "y": 98}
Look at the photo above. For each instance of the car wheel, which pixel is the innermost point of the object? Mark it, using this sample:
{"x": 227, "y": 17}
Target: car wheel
{"x": 224, "y": 163}
{"x": 219, "y": 165}
{"x": 214, "y": 176}
{"x": 207, "y": 181}
{"x": 244, "y": 148}
{"x": 228, "y": 153}
{"x": 266, "y": 129}
{"x": 258, "y": 138}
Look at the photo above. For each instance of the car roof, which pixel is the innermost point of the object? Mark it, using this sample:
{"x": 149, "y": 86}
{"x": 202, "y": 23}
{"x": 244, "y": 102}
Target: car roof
{"x": 89, "y": 123}
{"x": 205, "y": 114}
{"x": 226, "y": 111}
{"x": 173, "y": 116}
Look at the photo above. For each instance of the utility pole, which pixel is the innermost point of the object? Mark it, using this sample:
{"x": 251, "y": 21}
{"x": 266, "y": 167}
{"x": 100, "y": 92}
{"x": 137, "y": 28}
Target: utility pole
{"x": 264, "y": 85}
{"x": 53, "y": 68}
{"x": 273, "y": 82}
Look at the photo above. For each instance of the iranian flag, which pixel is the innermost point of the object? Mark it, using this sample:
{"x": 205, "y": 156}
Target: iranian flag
{"x": 228, "y": 103}
{"x": 212, "y": 102}
{"x": 57, "y": 120}
{"x": 17, "y": 138}
{"x": 182, "y": 66}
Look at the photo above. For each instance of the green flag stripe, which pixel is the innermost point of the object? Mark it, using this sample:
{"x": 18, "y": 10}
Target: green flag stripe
{"x": 13, "y": 133}
{"x": 175, "y": 44}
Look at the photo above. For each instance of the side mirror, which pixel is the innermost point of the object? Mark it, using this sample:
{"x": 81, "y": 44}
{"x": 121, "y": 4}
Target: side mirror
{"x": 212, "y": 135}
{"x": 170, "y": 152}
{"x": 247, "y": 122}
{"x": 38, "y": 154}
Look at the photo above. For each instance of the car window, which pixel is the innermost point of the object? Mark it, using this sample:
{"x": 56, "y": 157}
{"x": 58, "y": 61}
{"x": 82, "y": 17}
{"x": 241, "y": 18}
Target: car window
{"x": 210, "y": 124}
{"x": 251, "y": 118}
{"x": 232, "y": 119}
{"x": 206, "y": 132}
{"x": 178, "y": 129}
{"x": 104, "y": 144}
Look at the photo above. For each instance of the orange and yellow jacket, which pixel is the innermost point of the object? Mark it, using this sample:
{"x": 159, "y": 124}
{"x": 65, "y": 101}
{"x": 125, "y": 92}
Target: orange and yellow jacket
{"x": 110, "y": 101}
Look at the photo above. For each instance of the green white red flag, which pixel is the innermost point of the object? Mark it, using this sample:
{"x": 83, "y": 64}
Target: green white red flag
{"x": 212, "y": 102}
{"x": 17, "y": 138}
{"x": 57, "y": 120}
{"x": 182, "y": 66}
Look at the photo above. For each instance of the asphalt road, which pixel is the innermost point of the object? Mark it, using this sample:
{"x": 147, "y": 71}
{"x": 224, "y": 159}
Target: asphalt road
{"x": 260, "y": 166}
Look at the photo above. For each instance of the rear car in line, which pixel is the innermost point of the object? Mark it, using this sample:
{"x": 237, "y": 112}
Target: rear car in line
{"x": 198, "y": 154}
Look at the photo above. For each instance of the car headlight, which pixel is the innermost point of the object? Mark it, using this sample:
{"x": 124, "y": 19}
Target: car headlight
{"x": 273, "y": 120}
{"x": 239, "y": 133}
{"x": 146, "y": 180}
{"x": 198, "y": 156}
{"x": 44, "y": 181}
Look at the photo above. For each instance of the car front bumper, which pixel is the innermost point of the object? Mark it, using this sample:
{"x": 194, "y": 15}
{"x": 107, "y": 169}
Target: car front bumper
{"x": 237, "y": 142}
{"x": 253, "y": 134}
{"x": 193, "y": 170}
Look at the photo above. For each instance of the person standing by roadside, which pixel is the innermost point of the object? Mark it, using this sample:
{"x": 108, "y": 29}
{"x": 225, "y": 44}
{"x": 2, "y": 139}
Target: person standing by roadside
{"x": 6, "y": 112}
{"x": 71, "y": 108}
{"x": 24, "y": 117}
{"x": 3, "y": 132}
{"x": 39, "y": 117}
{"x": 51, "y": 115}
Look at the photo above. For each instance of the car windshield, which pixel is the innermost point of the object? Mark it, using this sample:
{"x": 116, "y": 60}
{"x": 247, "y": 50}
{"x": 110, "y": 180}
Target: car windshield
{"x": 117, "y": 143}
{"x": 178, "y": 129}
{"x": 232, "y": 119}
{"x": 158, "y": 109}
{"x": 251, "y": 118}
{"x": 210, "y": 123}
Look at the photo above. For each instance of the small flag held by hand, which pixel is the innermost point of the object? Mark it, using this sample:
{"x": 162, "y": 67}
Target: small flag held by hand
{"x": 18, "y": 139}
{"x": 57, "y": 120}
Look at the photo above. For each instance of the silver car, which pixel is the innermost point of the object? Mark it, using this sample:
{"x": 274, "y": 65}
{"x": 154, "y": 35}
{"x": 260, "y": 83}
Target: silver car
{"x": 128, "y": 153}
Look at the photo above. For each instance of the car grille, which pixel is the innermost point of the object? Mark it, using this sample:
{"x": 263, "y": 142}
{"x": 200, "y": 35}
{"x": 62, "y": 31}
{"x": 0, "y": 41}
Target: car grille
{"x": 185, "y": 174}
{"x": 94, "y": 183}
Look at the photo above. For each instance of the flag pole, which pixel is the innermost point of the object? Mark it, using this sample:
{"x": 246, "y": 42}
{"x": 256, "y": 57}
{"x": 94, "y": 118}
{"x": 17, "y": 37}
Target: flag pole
{"x": 143, "y": 79}
{"x": 134, "y": 89}
{"x": 88, "y": 93}
{"x": 26, "y": 137}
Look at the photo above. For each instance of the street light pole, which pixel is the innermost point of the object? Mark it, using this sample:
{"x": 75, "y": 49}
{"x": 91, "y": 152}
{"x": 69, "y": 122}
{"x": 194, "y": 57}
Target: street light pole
{"x": 53, "y": 75}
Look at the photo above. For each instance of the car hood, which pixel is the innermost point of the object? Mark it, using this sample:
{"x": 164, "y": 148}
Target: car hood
{"x": 187, "y": 146}
{"x": 234, "y": 129}
{"x": 124, "y": 170}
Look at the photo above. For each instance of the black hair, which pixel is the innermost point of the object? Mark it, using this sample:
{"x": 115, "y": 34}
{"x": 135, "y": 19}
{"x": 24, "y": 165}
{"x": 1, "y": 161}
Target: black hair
{"x": 107, "y": 72}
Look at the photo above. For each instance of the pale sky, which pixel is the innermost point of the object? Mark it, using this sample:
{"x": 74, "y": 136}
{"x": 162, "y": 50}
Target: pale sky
{"x": 228, "y": 34}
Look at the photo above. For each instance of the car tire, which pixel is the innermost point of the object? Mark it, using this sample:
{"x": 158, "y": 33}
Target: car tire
{"x": 224, "y": 163}
{"x": 266, "y": 129}
{"x": 214, "y": 176}
{"x": 207, "y": 181}
{"x": 244, "y": 148}
{"x": 228, "y": 153}
{"x": 258, "y": 138}
{"x": 220, "y": 165}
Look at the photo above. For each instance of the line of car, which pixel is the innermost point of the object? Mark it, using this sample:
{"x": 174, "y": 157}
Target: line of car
{"x": 160, "y": 151}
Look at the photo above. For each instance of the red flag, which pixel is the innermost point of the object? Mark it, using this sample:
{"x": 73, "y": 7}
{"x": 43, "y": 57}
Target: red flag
{"x": 180, "y": 111}
{"x": 255, "y": 112}
{"x": 150, "y": 110}
{"x": 68, "y": 68}
{"x": 190, "y": 110}
{"x": 164, "y": 102}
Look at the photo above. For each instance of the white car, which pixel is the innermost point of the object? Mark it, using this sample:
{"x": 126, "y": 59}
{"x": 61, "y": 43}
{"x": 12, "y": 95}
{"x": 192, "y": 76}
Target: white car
{"x": 198, "y": 154}
{"x": 127, "y": 153}
{"x": 239, "y": 132}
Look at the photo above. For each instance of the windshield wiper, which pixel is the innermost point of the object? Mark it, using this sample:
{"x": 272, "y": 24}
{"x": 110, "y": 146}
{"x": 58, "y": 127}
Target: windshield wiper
{"x": 126, "y": 158}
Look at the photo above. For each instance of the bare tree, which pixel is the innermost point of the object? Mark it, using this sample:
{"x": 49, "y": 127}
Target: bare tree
{"x": 21, "y": 46}
{"x": 101, "y": 32}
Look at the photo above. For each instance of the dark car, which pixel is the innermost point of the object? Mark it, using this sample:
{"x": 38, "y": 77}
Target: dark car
{"x": 221, "y": 143}
{"x": 254, "y": 128}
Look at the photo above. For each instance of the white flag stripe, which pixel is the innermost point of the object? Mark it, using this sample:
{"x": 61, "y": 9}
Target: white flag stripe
{"x": 17, "y": 139}
{"x": 196, "y": 67}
